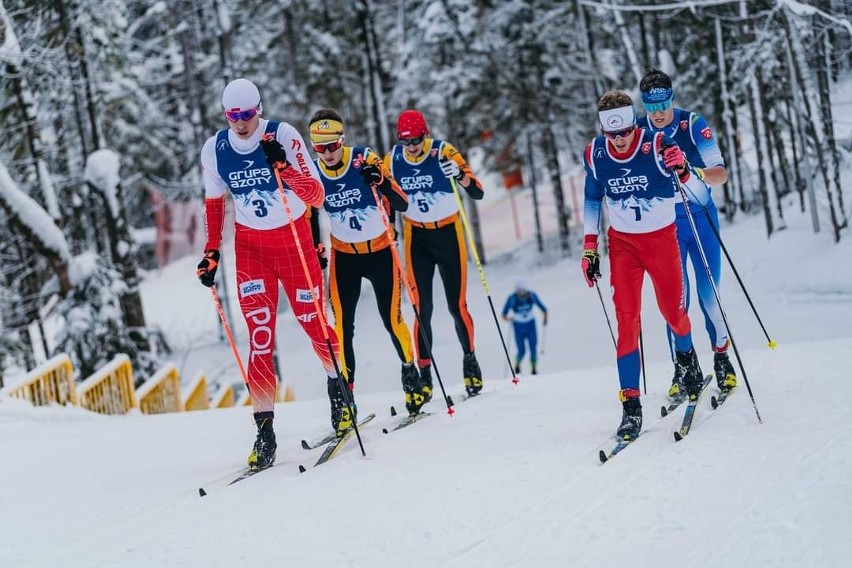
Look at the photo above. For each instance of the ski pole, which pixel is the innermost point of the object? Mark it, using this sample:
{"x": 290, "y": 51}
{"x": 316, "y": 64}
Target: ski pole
{"x": 694, "y": 228}
{"x": 771, "y": 342}
{"x": 411, "y": 295}
{"x": 507, "y": 369}
{"x": 228, "y": 334}
{"x": 642, "y": 359}
{"x": 315, "y": 292}
{"x": 606, "y": 315}
{"x": 543, "y": 338}
{"x": 470, "y": 238}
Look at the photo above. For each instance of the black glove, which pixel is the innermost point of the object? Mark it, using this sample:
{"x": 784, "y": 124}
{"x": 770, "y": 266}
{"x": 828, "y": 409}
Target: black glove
{"x": 372, "y": 175}
{"x": 591, "y": 264}
{"x": 276, "y": 157}
{"x": 323, "y": 259}
{"x": 207, "y": 267}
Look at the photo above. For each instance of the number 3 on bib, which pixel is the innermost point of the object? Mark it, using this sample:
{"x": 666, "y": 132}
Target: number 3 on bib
{"x": 260, "y": 209}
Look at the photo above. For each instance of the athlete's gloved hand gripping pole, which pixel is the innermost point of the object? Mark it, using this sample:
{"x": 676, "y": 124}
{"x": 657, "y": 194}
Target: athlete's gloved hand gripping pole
{"x": 475, "y": 254}
{"x": 374, "y": 178}
{"x": 681, "y": 171}
{"x": 277, "y": 158}
{"x": 206, "y": 272}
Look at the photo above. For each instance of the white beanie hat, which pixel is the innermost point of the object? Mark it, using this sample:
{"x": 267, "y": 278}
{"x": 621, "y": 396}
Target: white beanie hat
{"x": 240, "y": 94}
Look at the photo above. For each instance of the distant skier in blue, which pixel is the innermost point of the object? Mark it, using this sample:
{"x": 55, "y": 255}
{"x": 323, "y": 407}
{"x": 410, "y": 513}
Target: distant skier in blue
{"x": 694, "y": 136}
{"x": 521, "y": 303}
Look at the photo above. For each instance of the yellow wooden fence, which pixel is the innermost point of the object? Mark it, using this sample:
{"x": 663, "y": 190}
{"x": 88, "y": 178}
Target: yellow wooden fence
{"x": 49, "y": 383}
{"x": 111, "y": 390}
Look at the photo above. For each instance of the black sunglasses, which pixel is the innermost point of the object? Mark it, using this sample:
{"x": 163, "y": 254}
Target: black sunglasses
{"x": 411, "y": 141}
{"x": 620, "y": 133}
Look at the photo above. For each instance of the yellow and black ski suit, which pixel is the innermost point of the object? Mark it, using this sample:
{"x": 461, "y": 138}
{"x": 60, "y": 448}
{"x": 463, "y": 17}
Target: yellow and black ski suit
{"x": 434, "y": 236}
{"x": 360, "y": 248}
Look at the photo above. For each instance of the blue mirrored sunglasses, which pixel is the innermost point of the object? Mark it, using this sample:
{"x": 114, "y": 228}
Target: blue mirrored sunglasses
{"x": 658, "y": 107}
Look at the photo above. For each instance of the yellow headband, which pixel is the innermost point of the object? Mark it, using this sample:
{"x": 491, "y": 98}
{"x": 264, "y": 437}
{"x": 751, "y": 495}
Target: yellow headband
{"x": 326, "y": 130}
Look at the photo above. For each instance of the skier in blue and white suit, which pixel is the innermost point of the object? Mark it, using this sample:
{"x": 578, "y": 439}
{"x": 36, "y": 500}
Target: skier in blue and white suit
{"x": 693, "y": 135}
{"x": 521, "y": 303}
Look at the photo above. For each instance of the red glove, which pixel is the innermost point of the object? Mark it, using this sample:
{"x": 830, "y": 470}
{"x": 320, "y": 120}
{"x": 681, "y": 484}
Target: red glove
{"x": 675, "y": 160}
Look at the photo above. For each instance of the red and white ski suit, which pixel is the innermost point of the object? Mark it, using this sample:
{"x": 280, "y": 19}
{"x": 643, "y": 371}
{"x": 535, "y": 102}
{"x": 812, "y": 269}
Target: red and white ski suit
{"x": 265, "y": 246}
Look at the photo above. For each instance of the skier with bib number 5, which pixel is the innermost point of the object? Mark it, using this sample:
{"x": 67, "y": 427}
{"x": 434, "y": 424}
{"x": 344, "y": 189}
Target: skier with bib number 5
{"x": 434, "y": 236}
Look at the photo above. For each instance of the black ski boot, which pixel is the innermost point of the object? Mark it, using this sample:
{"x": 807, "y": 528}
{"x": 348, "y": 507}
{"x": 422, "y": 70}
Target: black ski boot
{"x": 262, "y": 455}
{"x": 341, "y": 418}
{"x": 472, "y": 375}
{"x": 693, "y": 380}
{"x": 677, "y": 391}
{"x": 414, "y": 398}
{"x": 726, "y": 377}
{"x": 426, "y": 383}
{"x": 518, "y": 367}
{"x": 631, "y": 420}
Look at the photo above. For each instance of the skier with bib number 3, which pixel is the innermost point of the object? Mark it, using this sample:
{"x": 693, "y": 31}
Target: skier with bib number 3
{"x": 239, "y": 161}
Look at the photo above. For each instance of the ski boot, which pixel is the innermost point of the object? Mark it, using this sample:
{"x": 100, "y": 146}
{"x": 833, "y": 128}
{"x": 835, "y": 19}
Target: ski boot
{"x": 472, "y": 375}
{"x": 692, "y": 377}
{"x": 676, "y": 391}
{"x": 426, "y": 383}
{"x": 534, "y": 366}
{"x": 341, "y": 418}
{"x": 262, "y": 454}
{"x": 631, "y": 420}
{"x": 518, "y": 367}
{"x": 414, "y": 398}
{"x": 726, "y": 377}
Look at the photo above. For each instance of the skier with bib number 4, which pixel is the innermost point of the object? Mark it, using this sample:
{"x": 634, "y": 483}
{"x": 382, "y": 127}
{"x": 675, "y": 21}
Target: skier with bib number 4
{"x": 360, "y": 246}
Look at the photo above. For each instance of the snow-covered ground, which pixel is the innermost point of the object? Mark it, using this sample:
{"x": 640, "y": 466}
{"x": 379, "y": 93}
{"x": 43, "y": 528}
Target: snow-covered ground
{"x": 511, "y": 480}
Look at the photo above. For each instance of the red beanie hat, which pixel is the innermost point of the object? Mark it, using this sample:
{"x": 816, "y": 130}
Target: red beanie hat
{"x": 411, "y": 124}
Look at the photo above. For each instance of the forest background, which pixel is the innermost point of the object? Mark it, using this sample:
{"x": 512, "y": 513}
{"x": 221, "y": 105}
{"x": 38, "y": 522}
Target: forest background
{"x": 105, "y": 102}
